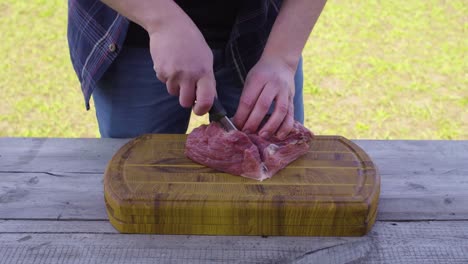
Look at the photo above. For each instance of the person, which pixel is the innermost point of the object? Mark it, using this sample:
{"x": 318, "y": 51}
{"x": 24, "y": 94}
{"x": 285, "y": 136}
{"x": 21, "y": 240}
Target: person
{"x": 149, "y": 63}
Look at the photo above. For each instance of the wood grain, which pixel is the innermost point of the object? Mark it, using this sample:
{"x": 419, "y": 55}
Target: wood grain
{"x": 388, "y": 242}
{"x": 416, "y": 193}
{"x": 61, "y": 179}
{"x": 56, "y": 155}
{"x": 151, "y": 187}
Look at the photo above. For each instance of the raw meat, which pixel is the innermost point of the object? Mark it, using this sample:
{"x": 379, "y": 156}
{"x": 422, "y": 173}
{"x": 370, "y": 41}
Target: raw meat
{"x": 246, "y": 155}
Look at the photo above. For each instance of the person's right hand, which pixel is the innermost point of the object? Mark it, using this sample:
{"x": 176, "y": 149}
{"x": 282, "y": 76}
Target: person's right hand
{"x": 183, "y": 60}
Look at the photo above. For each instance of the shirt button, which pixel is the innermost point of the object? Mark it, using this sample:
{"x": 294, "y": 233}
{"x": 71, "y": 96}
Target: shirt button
{"x": 112, "y": 47}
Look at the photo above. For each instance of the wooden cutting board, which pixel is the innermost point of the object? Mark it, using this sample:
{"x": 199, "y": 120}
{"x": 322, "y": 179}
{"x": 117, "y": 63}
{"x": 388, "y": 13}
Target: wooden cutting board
{"x": 151, "y": 187}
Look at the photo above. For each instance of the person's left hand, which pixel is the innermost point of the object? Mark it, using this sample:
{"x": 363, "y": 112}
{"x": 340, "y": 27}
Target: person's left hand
{"x": 270, "y": 80}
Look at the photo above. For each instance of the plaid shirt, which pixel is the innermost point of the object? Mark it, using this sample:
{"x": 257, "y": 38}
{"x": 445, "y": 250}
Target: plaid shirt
{"x": 96, "y": 33}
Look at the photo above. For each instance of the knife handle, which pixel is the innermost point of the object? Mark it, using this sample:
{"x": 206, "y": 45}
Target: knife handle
{"x": 217, "y": 111}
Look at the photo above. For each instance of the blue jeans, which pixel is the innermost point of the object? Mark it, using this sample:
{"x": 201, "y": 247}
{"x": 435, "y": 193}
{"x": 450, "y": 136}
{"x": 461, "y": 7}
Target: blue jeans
{"x": 131, "y": 101}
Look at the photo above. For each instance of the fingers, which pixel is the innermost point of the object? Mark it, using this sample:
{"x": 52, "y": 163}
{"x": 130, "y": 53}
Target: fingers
{"x": 282, "y": 103}
{"x": 205, "y": 94}
{"x": 260, "y": 109}
{"x": 173, "y": 87}
{"x": 192, "y": 93}
{"x": 247, "y": 102}
{"x": 160, "y": 75}
{"x": 187, "y": 94}
{"x": 288, "y": 122}
{"x": 256, "y": 100}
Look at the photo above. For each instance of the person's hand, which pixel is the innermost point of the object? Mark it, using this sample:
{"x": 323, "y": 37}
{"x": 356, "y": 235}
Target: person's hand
{"x": 270, "y": 80}
{"x": 183, "y": 60}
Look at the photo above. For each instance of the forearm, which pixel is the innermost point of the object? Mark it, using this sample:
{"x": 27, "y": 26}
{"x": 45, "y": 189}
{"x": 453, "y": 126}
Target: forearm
{"x": 291, "y": 30}
{"x": 150, "y": 14}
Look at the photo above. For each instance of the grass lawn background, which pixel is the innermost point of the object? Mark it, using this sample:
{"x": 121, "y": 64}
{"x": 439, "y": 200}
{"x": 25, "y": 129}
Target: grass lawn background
{"x": 373, "y": 70}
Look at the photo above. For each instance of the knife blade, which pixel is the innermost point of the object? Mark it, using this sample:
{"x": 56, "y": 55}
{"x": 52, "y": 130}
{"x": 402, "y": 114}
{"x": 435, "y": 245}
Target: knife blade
{"x": 219, "y": 114}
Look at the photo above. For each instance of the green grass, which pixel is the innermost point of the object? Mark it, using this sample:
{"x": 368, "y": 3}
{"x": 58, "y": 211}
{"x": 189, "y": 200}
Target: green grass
{"x": 373, "y": 69}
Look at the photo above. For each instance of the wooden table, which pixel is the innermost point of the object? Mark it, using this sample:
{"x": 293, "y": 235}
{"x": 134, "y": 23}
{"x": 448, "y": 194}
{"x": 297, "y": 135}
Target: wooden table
{"x": 52, "y": 211}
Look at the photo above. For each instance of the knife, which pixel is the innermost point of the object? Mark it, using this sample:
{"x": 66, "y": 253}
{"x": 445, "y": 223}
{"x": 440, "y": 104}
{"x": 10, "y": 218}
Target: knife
{"x": 219, "y": 114}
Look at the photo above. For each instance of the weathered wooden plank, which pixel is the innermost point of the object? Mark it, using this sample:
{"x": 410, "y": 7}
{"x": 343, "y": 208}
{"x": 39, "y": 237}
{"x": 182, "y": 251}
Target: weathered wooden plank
{"x": 395, "y": 242}
{"x": 62, "y": 180}
{"x": 80, "y": 196}
{"x": 411, "y": 147}
{"x": 57, "y": 226}
{"x": 47, "y": 196}
{"x": 420, "y": 179}
{"x": 410, "y": 196}
{"x": 57, "y": 154}
{"x": 91, "y": 155}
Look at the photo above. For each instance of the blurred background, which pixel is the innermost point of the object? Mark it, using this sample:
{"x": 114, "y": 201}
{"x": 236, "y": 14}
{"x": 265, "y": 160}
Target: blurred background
{"x": 373, "y": 70}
